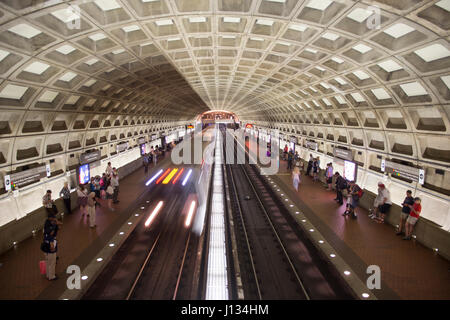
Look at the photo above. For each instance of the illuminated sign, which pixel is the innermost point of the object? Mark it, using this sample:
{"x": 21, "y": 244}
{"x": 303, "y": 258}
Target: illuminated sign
{"x": 343, "y": 154}
{"x": 350, "y": 170}
{"x": 401, "y": 170}
{"x": 7, "y": 182}
{"x": 122, "y": 147}
{"x": 249, "y": 126}
{"x": 311, "y": 145}
{"x": 189, "y": 126}
{"x": 84, "y": 174}
{"x": 26, "y": 177}
{"x": 142, "y": 148}
{"x": 90, "y": 157}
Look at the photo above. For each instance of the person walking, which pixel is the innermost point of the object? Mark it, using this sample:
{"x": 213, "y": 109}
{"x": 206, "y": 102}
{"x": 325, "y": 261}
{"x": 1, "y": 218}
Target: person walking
{"x": 409, "y": 201}
{"x": 296, "y": 177}
{"x": 82, "y": 199}
{"x": 65, "y": 195}
{"x": 91, "y": 209}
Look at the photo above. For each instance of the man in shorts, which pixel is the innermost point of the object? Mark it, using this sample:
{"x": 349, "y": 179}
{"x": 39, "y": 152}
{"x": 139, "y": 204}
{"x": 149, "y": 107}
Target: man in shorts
{"x": 416, "y": 208}
{"x": 382, "y": 203}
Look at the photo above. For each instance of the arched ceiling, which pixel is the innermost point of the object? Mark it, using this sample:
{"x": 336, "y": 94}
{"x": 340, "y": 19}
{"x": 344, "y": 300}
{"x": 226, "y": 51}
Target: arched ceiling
{"x": 315, "y": 61}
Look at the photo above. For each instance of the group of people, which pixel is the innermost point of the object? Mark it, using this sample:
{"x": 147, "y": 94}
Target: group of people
{"x": 153, "y": 156}
{"x": 411, "y": 207}
{"x": 104, "y": 187}
{"x": 314, "y": 166}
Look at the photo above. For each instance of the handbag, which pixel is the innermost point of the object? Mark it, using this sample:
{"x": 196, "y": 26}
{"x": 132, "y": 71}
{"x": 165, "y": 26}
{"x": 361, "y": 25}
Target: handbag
{"x": 43, "y": 267}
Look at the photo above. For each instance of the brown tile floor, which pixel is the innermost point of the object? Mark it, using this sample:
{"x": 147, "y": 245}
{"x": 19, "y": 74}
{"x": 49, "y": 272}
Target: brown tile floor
{"x": 19, "y": 273}
{"x": 408, "y": 269}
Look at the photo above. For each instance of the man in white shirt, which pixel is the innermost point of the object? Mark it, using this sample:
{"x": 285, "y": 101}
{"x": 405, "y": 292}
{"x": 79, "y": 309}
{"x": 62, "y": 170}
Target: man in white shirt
{"x": 115, "y": 185}
{"x": 382, "y": 203}
{"x": 109, "y": 169}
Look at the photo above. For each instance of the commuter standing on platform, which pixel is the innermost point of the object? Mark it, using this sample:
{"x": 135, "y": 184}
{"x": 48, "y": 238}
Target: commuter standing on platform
{"x": 65, "y": 195}
{"x": 409, "y": 201}
{"x": 296, "y": 159}
{"x": 82, "y": 199}
{"x": 48, "y": 203}
{"x": 115, "y": 185}
{"x": 296, "y": 177}
{"x": 49, "y": 246}
{"x": 416, "y": 208}
{"x": 290, "y": 159}
{"x": 355, "y": 193}
{"x": 341, "y": 184}
{"x": 310, "y": 165}
{"x": 109, "y": 196}
{"x": 155, "y": 155}
{"x": 384, "y": 203}
{"x": 91, "y": 209}
{"x": 145, "y": 163}
{"x": 316, "y": 164}
{"x": 329, "y": 175}
{"x": 109, "y": 169}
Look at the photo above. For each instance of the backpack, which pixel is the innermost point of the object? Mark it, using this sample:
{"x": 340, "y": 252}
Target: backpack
{"x": 360, "y": 193}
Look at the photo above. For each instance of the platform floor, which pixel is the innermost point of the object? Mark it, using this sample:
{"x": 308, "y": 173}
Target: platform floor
{"x": 19, "y": 272}
{"x": 409, "y": 270}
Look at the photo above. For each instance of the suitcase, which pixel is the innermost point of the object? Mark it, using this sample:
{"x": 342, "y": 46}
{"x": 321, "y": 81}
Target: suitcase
{"x": 43, "y": 267}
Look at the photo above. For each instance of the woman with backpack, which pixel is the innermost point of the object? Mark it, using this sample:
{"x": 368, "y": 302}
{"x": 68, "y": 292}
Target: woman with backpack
{"x": 355, "y": 193}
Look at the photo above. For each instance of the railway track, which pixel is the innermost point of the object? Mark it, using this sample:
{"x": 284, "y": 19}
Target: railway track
{"x": 151, "y": 263}
{"x": 277, "y": 260}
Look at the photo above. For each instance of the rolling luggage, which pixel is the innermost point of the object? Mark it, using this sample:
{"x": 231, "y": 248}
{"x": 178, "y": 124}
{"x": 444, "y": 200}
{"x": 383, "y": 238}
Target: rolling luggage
{"x": 43, "y": 267}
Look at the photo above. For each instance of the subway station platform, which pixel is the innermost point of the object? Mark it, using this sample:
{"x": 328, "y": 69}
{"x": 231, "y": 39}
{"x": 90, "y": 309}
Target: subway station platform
{"x": 77, "y": 243}
{"x": 408, "y": 269}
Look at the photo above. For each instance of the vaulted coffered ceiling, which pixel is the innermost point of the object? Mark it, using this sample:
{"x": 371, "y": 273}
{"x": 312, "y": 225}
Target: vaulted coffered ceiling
{"x": 314, "y": 62}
